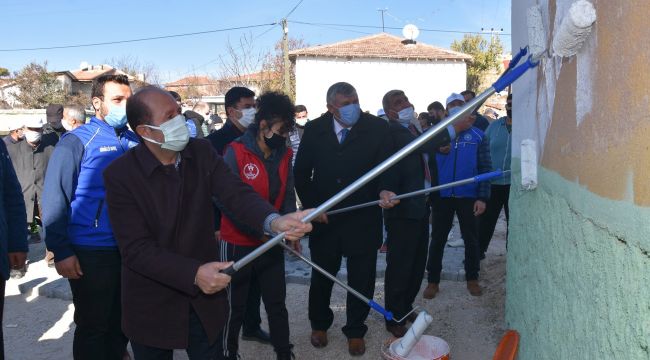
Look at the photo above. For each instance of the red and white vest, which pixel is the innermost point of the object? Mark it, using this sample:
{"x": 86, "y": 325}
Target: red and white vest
{"x": 253, "y": 172}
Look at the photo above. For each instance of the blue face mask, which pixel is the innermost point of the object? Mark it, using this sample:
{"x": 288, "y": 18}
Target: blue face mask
{"x": 349, "y": 114}
{"x": 116, "y": 116}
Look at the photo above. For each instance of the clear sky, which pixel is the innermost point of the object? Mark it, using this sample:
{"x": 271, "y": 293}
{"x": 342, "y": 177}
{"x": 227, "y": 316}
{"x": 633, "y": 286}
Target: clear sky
{"x": 50, "y": 23}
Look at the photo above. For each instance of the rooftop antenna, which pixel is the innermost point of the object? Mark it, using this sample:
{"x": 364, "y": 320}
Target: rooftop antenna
{"x": 382, "y": 18}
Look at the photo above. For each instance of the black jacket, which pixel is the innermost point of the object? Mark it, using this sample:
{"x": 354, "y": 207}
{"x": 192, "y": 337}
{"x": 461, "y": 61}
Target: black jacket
{"x": 408, "y": 174}
{"x": 324, "y": 167}
{"x": 219, "y": 140}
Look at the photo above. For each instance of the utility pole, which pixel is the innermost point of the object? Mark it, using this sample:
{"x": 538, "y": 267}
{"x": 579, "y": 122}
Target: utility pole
{"x": 382, "y": 18}
{"x": 285, "y": 55}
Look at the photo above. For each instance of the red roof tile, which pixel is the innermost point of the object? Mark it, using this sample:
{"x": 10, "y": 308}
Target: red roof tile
{"x": 194, "y": 81}
{"x": 381, "y": 46}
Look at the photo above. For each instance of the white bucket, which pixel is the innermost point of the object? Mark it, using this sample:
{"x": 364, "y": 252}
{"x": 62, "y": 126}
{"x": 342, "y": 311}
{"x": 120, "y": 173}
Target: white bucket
{"x": 427, "y": 348}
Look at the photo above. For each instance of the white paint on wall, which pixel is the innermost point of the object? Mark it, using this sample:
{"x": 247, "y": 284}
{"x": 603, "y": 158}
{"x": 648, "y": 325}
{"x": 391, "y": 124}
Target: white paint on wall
{"x": 423, "y": 81}
{"x": 585, "y": 75}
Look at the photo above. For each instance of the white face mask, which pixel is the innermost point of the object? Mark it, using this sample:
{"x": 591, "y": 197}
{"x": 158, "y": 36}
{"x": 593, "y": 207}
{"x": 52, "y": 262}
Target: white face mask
{"x": 32, "y": 136}
{"x": 175, "y": 132}
{"x": 406, "y": 115}
{"x": 302, "y": 121}
{"x": 66, "y": 125}
{"x": 247, "y": 116}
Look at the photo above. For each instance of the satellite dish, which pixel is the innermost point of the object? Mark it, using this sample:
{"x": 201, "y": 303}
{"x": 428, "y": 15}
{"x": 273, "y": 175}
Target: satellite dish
{"x": 84, "y": 65}
{"x": 410, "y": 31}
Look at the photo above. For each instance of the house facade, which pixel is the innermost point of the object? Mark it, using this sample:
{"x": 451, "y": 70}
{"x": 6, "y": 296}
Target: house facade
{"x": 375, "y": 65}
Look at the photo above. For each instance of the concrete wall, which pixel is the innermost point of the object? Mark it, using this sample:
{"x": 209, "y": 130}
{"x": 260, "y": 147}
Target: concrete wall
{"x": 422, "y": 81}
{"x": 579, "y": 247}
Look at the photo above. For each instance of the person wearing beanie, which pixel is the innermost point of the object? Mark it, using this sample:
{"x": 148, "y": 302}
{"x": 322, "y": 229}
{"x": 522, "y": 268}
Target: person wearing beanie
{"x": 54, "y": 114}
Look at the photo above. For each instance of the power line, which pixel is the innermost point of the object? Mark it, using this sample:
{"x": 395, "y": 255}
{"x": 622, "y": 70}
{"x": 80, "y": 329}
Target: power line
{"x": 294, "y": 9}
{"x": 137, "y": 40}
{"x": 396, "y": 28}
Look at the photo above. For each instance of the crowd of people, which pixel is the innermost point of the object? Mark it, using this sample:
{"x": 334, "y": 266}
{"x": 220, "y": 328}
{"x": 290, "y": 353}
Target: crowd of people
{"x": 144, "y": 205}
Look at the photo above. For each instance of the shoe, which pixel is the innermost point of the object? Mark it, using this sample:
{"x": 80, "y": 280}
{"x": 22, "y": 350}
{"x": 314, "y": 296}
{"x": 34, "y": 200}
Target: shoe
{"x": 319, "y": 338}
{"x": 431, "y": 291}
{"x": 474, "y": 288}
{"x": 356, "y": 346}
{"x": 384, "y": 248}
{"x": 286, "y": 354}
{"x": 397, "y": 330}
{"x": 456, "y": 242}
{"x": 258, "y": 335}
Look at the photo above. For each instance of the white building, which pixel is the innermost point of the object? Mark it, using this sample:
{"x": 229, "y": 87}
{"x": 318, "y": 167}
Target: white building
{"x": 374, "y": 65}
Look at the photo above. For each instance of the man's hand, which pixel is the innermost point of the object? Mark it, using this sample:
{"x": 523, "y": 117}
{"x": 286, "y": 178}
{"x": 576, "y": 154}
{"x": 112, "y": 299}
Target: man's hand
{"x": 479, "y": 207}
{"x": 69, "y": 268}
{"x": 291, "y": 225}
{"x": 444, "y": 149}
{"x": 386, "y": 199}
{"x": 209, "y": 279}
{"x": 322, "y": 218}
{"x": 17, "y": 259}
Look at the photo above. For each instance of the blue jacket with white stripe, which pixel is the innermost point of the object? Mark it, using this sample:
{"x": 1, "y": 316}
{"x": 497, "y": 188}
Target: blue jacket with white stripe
{"x": 74, "y": 212}
{"x": 469, "y": 156}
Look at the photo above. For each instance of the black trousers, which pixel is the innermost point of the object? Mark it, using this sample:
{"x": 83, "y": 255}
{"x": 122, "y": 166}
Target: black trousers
{"x": 252, "y": 319}
{"x": 444, "y": 210}
{"x": 361, "y": 277}
{"x": 406, "y": 259}
{"x": 269, "y": 270}
{"x": 199, "y": 347}
{"x": 499, "y": 196}
{"x": 2, "y": 307}
{"x": 98, "y": 311}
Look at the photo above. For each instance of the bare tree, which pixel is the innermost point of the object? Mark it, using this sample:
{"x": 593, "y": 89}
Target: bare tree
{"x": 274, "y": 65}
{"x": 240, "y": 62}
{"x": 145, "y": 72}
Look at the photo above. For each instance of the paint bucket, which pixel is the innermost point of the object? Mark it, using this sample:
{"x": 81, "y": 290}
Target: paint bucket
{"x": 427, "y": 348}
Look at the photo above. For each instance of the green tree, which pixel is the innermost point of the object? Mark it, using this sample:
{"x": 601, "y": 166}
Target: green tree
{"x": 486, "y": 57}
{"x": 37, "y": 87}
{"x": 4, "y": 72}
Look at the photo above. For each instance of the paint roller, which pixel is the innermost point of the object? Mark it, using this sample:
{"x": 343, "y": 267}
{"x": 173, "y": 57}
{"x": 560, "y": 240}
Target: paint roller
{"x": 465, "y": 110}
{"x": 569, "y": 37}
{"x": 477, "y": 178}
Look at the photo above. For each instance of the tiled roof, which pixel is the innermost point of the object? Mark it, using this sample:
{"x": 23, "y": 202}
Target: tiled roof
{"x": 193, "y": 80}
{"x": 381, "y": 46}
{"x": 258, "y": 76}
{"x": 95, "y": 71}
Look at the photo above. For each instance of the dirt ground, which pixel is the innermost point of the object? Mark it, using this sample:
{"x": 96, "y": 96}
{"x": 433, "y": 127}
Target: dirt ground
{"x": 41, "y": 328}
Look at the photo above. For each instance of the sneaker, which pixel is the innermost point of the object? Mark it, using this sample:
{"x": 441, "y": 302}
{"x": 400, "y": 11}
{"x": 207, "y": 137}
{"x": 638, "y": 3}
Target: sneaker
{"x": 456, "y": 242}
{"x": 18, "y": 273}
{"x": 258, "y": 335}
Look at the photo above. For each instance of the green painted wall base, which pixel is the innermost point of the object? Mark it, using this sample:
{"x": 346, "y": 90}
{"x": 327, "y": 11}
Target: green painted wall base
{"x": 578, "y": 273}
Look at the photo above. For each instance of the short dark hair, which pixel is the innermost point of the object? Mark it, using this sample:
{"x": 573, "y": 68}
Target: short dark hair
{"x": 176, "y": 96}
{"x": 236, "y": 93}
{"x": 98, "y": 84}
{"x": 137, "y": 111}
{"x": 436, "y": 105}
{"x": 299, "y": 108}
{"x": 275, "y": 107}
{"x": 470, "y": 92}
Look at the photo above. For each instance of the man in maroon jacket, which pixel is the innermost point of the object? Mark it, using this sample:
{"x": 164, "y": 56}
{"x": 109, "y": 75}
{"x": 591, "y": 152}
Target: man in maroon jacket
{"x": 159, "y": 203}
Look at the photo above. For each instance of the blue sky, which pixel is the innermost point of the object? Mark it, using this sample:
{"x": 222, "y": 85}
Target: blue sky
{"x": 47, "y": 23}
